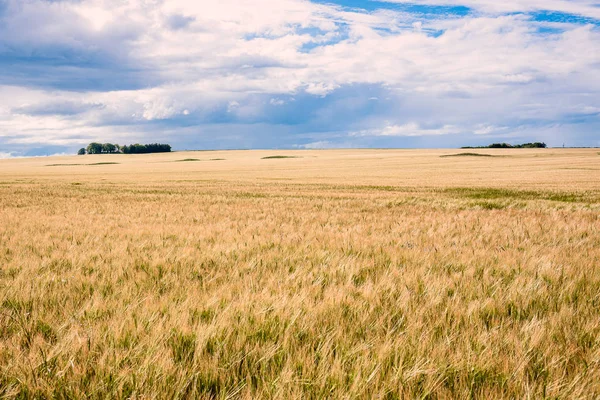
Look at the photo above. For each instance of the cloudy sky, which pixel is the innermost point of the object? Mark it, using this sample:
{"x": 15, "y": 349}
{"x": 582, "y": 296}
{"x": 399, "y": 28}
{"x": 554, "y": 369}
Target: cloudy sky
{"x": 213, "y": 74}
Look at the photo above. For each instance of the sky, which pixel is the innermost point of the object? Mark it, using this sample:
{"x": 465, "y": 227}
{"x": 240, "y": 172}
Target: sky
{"x": 297, "y": 74}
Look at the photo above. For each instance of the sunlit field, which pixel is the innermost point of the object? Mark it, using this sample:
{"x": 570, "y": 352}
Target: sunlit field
{"x": 301, "y": 274}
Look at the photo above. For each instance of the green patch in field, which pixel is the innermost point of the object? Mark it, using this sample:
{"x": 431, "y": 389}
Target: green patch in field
{"x": 267, "y": 331}
{"x": 207, "y": 385}
{"x": 489, "y": 205}
{"x": 46, "y": 331}
{"x": 9, "y": 272}
{"x": 494, "y": 194}
{"x": 250, "y": 195}
{"x": 201, "y": 316}
{"x": 278, "y": 157}
{"x": 183, "y": 347}
{"x": 18, "y": 306}
{"x": 197, "y": 159}
{"x": 467, "y": 155}
{"x": 374, "y": 187}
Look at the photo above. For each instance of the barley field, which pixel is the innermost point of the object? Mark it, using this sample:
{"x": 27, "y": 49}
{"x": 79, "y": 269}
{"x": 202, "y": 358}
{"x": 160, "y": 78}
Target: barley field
{"x": 356, "y": 274}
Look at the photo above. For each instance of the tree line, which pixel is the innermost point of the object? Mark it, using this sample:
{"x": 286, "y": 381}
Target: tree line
{"x": 110, "y": 148}
{"x": 535, "y": 145}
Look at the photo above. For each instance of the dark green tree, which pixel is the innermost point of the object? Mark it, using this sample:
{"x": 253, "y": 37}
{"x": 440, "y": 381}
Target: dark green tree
{"x": 97, "y": 148}
{"x": 81, "y": 151}
{"x": 94, "y": 148}
{"x": 109, "y": 148}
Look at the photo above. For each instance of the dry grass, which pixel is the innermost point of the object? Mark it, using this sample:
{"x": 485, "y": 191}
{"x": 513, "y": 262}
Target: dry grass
{"x": 341, "y": 274}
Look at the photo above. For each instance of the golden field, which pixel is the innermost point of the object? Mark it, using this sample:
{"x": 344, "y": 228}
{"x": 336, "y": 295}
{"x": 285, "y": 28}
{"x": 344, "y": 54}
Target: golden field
{"x": 335, "y": 274}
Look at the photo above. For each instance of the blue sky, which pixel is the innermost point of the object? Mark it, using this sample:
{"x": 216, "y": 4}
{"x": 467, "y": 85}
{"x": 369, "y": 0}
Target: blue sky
{"x": 297, "y": 73}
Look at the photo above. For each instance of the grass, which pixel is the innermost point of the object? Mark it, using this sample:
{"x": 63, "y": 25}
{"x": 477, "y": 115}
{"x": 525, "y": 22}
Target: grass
{"x": 354, "y": 279}
{"x": 467, "y": 155}
{"x": 495, "y": 193}
{"x": 278, "y": 157}
{"x": 490, "y": 205}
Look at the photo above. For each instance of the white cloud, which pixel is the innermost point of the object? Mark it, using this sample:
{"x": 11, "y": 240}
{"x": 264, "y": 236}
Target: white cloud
{"x": 483, "y": 129}
{"x": 321, "y": 88}
{"x": 411, "y": 129}
{"x": 232, "y": 106}
{"x": 276, "y": 102}
{"x": 6, "y": 155}
{"x": 323, "y": 144}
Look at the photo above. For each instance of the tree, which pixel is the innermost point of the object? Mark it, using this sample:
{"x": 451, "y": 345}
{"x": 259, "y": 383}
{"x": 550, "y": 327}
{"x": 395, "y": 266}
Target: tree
{"x": 109, "y": 148}
{"x": 536, "y": 145}
{"x": 98, "y": 148}
{"x": 81, "y": 152}
{"x": 94, "y": 148}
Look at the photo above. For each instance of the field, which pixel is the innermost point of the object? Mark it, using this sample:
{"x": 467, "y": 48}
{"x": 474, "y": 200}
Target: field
{"x": 301, "y": 274}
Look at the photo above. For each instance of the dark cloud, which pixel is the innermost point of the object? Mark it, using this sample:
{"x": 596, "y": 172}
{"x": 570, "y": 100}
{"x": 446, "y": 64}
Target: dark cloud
{"x": 178, "y": 21}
